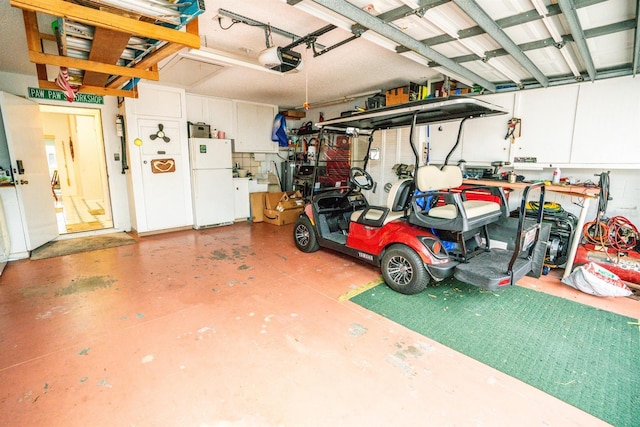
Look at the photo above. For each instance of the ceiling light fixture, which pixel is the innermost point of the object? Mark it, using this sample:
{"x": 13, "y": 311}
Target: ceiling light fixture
{"x": 504, "y": 70}
{"x": 412, "y": 4}
{"x": 564, "y": 51}
{"x": 214, "y": 56}
{"x": 571, "y": 17}
{"x": 322, "y": 13}
{"x": 454, "y": 76}
{"x": 489, "y": 25}
{"x": 555, "y": 35}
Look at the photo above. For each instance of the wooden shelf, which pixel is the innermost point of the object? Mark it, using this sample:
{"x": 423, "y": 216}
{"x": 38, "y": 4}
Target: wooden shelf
{"x": 106, "y": 70}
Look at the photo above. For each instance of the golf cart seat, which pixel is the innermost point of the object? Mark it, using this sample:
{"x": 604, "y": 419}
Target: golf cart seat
{"x": 435, "y": 205}
{"x": 397, "y": 204}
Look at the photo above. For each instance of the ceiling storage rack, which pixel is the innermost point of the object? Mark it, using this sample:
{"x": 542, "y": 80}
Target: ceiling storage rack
{"x": 107, "y": 46}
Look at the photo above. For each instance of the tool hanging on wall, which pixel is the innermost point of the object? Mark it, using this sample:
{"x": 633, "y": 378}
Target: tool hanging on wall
{"x": 123, "y": 141}
{"x": 513, "y": 129}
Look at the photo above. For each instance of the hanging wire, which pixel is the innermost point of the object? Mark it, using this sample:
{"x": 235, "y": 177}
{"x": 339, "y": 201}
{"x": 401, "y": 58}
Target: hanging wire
{"x": 306, "y": 82}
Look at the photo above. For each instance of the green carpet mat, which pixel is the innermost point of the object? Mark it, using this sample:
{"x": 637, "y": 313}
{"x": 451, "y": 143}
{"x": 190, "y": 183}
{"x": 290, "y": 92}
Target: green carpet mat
{"x": 587, "y": 357}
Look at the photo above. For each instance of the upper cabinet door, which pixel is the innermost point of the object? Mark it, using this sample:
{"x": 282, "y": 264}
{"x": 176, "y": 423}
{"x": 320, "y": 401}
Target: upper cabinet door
{"x": 159, "y": 101}
{"x": 216, "y": 112}
{"x": 606, "y": 125}
{"x": 547, "y": 123}
{"x": 253, "y": 128}
{"x": 483, "y": 138}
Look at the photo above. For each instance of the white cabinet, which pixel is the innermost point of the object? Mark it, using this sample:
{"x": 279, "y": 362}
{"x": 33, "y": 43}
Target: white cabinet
{"x": 606, "y": 125}
{"x": 483, "y": 138}
{"x": 241, "y": 198}
{"x": 253, "y": 128}
{"x": 158, "y": 101}
{"x": 547, "y": 127}
{"x": 216, "y": 112}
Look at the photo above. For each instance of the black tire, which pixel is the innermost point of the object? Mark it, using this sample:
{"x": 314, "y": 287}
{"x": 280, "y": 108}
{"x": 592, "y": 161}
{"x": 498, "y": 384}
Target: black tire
{"x": 403, "y": 270}
{"x": 305, "y": 236}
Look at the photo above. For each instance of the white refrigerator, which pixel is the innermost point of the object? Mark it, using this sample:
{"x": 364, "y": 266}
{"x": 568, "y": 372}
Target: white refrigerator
{"x": 211, "y": 181}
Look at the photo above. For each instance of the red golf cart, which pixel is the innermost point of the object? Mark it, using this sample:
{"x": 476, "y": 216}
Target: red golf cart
{"x": 432, "y": 227}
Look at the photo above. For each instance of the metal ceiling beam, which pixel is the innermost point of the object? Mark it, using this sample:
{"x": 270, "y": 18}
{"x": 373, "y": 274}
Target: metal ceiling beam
{"x": 569, "y": 12}
{"x": 375, "y": 24}
{"x": 476, "y": 13}
{"x": 506, "y": 22}
{"x": 604, "y": 30}
{"x": 509, "y": 21}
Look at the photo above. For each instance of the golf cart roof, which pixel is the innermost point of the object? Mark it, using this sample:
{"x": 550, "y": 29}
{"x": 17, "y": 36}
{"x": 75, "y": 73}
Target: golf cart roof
{"x": 427, "y": 111}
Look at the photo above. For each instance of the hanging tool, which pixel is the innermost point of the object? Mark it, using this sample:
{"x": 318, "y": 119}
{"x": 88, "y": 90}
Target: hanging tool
{"x": 513, "y": 129}
{"x": 123, "y": 141}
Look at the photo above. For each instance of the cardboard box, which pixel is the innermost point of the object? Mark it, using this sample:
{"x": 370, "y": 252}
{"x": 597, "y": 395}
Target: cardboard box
{"x": 256, "y": 201}
{"x": 283, "y": 201}
{"x": 294, "y": 114}
{"x": 275, "y": 217}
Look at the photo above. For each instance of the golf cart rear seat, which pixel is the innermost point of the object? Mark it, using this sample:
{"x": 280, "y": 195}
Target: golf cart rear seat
{"x": 397, "y": 204}
{"x": 435, "y": 205}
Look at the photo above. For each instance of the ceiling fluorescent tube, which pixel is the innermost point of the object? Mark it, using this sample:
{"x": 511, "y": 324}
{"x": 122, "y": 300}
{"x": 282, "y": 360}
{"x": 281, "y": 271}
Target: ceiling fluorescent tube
{"x": 322, "y": 13}
{"x": 504, "y": 70}
{"x": 411, "y": 4}
{"x": 473, "y": 46}
{"x": 415, "y": 57}
{"x": 541, "y": 8}
{"x": 544, "y": 12}
{"x": 454, "y": 76}
{"x": 380, "y": 40}
{"x": 570, "y": 62}
{"x": 555, "y": 35}
{"x": 442, "y": 22}
{"x": 216, "y": 57}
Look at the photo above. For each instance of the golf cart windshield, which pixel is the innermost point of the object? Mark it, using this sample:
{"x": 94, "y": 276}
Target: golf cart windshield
{"x": 338, "y": 152}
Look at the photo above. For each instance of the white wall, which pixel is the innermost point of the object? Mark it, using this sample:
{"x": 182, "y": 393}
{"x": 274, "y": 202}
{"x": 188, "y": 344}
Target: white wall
{"x": 18, "y": 84}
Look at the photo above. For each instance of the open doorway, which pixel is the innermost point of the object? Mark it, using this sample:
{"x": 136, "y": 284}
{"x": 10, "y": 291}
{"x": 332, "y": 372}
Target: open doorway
{"x": 77, "y": 168}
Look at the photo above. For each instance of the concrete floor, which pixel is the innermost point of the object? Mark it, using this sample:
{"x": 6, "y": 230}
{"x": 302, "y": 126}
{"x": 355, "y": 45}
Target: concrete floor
{"x": 234, "y": 326}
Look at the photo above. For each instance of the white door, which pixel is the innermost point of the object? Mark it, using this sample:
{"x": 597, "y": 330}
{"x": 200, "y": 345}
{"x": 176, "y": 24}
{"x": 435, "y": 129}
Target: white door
{"x": 23, "y": 129}
{"x": 165, "y": 175}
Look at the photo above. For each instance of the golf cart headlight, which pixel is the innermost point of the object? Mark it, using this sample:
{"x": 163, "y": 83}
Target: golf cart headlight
{"x": 435, "y": 247}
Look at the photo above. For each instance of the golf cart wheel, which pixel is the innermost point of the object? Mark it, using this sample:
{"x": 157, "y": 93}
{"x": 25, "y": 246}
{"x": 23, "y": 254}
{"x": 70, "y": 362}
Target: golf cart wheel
{"x": 305, "y": 236}
{"x": 403, "y": 270}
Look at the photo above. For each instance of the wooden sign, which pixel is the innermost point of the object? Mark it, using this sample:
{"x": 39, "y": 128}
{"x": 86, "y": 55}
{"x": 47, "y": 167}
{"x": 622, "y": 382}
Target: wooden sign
{"x": 163, "y": 165}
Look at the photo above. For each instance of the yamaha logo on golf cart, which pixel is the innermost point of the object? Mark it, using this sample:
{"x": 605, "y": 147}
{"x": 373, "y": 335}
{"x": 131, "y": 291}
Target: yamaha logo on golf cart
{"x": 366, "y": 256}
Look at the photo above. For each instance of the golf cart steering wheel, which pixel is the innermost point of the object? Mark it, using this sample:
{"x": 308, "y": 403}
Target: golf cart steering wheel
{"x": 360, "y": 178}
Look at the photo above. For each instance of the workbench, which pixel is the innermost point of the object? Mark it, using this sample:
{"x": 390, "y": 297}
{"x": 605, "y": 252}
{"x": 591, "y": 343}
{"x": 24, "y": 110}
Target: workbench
{"x": 586, "y": 193}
